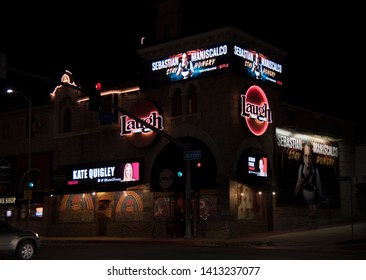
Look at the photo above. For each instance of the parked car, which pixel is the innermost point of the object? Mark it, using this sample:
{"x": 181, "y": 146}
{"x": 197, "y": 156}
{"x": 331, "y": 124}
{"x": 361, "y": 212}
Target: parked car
{"x": 23, "y": 244}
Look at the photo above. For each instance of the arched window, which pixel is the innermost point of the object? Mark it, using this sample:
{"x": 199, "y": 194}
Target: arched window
{"x": 177, "y": 102}
{"x": 67, "y": 121}
{"x": 192, "y": 100}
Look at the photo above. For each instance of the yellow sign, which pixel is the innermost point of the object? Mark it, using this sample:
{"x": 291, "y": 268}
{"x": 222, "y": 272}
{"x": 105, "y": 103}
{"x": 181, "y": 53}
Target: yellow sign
{"x": 28, "y": 194}
{"x": 7, "y": 200}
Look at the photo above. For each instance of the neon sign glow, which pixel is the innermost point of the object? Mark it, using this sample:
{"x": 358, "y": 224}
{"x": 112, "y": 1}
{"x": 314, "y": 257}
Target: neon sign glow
{"x": 136, "y": 132}
{"x": 107, "y": 174}
{"x": 255, "y": 109}
{"x": 129, "y": 125}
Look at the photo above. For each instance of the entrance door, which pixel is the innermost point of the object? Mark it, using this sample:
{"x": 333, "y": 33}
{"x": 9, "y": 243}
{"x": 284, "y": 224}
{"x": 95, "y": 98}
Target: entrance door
{"x": 104, "y": 216}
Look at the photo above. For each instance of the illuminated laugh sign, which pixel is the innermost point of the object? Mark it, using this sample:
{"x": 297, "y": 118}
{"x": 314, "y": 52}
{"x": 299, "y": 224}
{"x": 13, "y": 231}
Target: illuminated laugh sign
{"x": 138, "y": 134}
{"x": 255, "y": 109}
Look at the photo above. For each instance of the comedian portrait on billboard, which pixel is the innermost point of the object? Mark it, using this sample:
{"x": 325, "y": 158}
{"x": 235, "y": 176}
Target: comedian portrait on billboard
{"x": 307, "y": 169}
{"x": 100, "y": 174}
{"x": 259, "y": 66}
{"x": 188, "y": 64}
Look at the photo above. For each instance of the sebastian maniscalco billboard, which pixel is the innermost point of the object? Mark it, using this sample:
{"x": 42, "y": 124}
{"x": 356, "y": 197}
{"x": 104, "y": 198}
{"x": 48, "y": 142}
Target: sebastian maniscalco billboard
{"x": 307, "y": 169}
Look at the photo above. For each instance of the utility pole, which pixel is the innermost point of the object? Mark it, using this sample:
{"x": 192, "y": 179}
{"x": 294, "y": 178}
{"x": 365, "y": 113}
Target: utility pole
{"x": 29, "y": 100}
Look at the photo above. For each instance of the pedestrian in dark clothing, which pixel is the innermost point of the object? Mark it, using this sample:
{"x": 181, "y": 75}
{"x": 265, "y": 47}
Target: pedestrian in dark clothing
{"x": 179, "y": 221}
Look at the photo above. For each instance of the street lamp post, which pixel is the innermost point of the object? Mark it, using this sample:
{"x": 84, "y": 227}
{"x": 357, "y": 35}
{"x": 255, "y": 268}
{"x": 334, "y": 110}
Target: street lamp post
{"x": 29, "y": 100}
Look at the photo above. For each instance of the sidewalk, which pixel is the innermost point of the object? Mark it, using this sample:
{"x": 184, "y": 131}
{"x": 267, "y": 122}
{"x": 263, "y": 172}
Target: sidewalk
{"x": 331, "y": 235}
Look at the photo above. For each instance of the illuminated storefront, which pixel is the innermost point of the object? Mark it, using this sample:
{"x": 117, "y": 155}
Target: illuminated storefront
{"x": 215, "y": 119}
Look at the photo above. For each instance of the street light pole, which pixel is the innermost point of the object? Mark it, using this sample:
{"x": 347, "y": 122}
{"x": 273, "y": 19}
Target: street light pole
{"x": 29, "y": 100}
{"x": 29, "y": 153}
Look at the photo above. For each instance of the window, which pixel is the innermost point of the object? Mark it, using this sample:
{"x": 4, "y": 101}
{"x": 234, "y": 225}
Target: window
{"x": 35, "y": 211}
{"x": 184, "y": 99}
{"x": 192, "y": 100}
{"x": 67, "y": 121}
{"x": 177, "y": 102}
{"x": 108, "y": 100}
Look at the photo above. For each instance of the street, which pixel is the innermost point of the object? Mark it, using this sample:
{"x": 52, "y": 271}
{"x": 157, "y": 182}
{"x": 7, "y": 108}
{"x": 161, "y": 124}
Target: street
{"x": 143, "y": 251}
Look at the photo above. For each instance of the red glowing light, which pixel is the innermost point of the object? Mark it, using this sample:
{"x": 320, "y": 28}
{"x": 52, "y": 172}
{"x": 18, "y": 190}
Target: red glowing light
{"x": 98, "y": 86}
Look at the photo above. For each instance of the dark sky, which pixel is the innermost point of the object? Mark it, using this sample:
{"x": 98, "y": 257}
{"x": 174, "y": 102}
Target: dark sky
{"x": 99, "y": 42}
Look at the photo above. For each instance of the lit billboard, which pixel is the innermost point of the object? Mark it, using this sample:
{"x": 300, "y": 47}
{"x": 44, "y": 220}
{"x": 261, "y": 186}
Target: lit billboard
{"x": 187, "y": 65}
{"x": 307, "y": 169}
{"x": 257, "y": 65}
{"x": 101, "y": 174}
{"x": 208, "y": 60}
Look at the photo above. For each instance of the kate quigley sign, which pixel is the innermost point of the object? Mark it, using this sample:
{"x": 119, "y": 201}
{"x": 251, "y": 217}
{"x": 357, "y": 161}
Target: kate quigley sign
{"x": 255, "y": 110}
{"x": 136, "y": 133}
{"x": 108, "y": 173}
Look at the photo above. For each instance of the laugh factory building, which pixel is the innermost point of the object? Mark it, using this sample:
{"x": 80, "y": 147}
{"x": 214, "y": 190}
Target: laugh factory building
{"x": 204, "y": 133}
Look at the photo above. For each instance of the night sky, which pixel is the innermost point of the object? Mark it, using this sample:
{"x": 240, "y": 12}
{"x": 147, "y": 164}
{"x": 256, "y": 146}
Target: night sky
{"x": 99, "y": 43}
